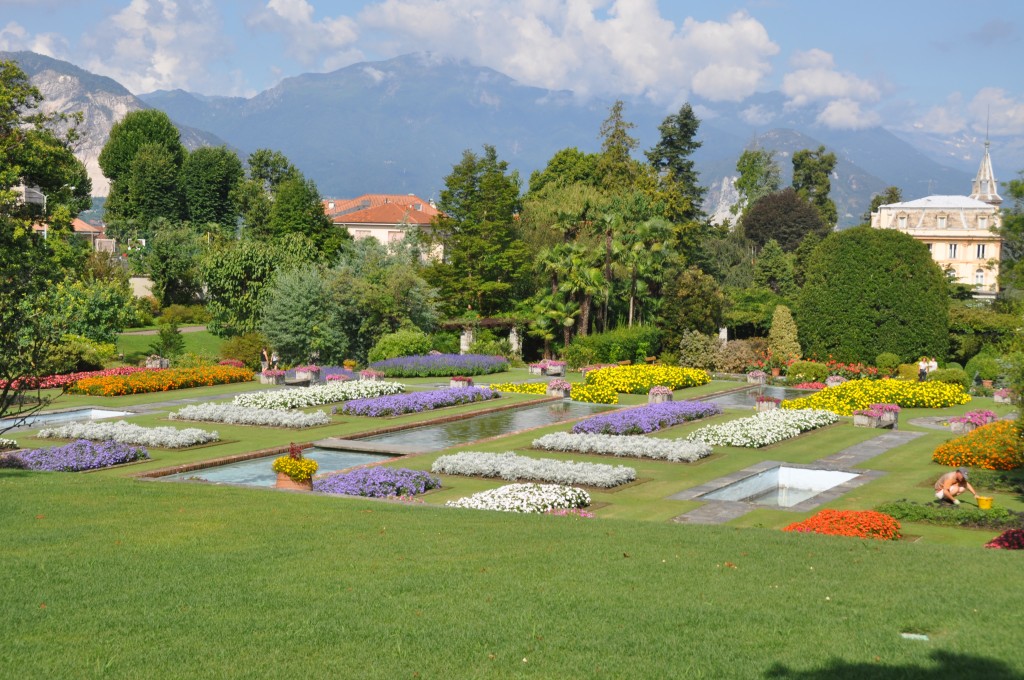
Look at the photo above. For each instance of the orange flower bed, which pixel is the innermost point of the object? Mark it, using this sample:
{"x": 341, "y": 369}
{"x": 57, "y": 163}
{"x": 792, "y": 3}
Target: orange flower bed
{"x": 996, "y": 446}
{"x": 856, "y": 523}
{"x": 160, "y": 381}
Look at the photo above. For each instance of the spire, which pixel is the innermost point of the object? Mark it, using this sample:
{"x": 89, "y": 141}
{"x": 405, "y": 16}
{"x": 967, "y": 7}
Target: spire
{"x": 985, "y": 187}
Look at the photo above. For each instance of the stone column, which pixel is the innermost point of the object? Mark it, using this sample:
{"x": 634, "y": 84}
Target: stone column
{"x": 515, "y": 341}
{"x": 466, "y": 340}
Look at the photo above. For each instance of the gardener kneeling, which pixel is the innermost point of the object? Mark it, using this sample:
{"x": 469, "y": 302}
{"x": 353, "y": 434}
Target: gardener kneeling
{"x": 951, "y": 485}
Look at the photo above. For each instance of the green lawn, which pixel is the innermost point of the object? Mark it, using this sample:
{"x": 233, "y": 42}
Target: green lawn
{"x": 136, "y": 347}
{"x": 108, "y": 575}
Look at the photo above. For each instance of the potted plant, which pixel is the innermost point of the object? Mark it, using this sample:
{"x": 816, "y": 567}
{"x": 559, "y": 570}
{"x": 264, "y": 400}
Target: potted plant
{"x": 370, "y": 374}
{"x": 1003, "y": 396}
{"x": 554, "y": 368}
{"x": 890, "y": 414}
{"x": 349, "y": 364}
{"x": 272, "y": 376}
{"x": 765, "y": 403}
{"x": 867, "y": 417}
{"x": 757, "y": 377}
{"x": 294, "y": 471}
{"x": 559, "y": 388}
{"x": 659, "y": 394}
{"x": 460, "y": 381}
{"x": 309, "y": 372}
{"x": 535, "y": 369}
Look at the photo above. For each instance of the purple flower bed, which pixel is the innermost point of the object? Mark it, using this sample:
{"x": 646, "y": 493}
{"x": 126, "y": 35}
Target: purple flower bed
{"x": 378, "y": 482}
{"x": 441, "y": 365}
{"x": 647, "y": 418}
{"x": 414, "y": 402}
{"x": 82, "y": 455}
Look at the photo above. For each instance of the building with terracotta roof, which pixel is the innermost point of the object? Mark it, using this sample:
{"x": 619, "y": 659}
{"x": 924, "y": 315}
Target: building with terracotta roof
{"x": 385, "y": 217}
{"x": 97, "y": 236}
{"x": 960, "y": 231}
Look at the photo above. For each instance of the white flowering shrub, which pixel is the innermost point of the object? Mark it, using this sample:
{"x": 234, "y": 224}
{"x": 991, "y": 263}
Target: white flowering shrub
{"x": 514, "y": 468}
{"x": 632, "y": 446}
{"x": 127, "y": 433}
{"x": 246, "y": 415}
{"x": 7, "y": 444}
{"x": 767, "y": 427}
{"x": 525, "y": 498}
{"x": 318, "y": 395}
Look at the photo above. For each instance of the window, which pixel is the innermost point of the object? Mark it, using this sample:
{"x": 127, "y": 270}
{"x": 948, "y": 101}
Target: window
{"x": 940, "y": 221}
{"x": 983, "y": 222}
{"x": 952, "y": 251}
{"x": 929, "y": 248}
{"x": 902, "y": 221}
{"x": 981, "y": 251}
{"x": 979, "y": 277}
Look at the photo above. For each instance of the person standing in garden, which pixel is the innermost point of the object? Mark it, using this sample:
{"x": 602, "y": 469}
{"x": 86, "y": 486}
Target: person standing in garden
{"x": 951, "y": 485}
{"x": 933, "y": 365}
{"x": 922, "y": 369}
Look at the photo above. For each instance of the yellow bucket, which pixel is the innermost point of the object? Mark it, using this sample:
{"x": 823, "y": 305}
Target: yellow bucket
{"x": 984, "y": 502}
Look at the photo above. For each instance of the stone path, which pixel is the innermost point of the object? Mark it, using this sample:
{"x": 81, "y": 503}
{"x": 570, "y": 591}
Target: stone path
{"x": 719, "y": 512}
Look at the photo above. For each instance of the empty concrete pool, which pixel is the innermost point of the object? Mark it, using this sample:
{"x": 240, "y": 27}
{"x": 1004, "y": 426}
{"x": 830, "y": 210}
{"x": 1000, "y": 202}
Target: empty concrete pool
{"x": 781, "y": 486}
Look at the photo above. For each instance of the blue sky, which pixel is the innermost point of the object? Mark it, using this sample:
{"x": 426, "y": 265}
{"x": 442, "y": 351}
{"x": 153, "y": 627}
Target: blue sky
{"x": 933, "y": 65}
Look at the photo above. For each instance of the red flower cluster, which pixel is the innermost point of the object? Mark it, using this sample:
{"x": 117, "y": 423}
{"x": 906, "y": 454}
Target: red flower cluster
{"x": 231, "y": 362}
{"x": 857, "y": 523}
{"x": 810, "y": 386}
{"x": 851, "y": 371}
{"x": 1011, "y": 539}
{"x": 49, "y": 381}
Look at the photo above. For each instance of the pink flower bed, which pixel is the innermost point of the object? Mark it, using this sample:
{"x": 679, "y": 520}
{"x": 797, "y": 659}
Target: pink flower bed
{"x": 51, "y": 381}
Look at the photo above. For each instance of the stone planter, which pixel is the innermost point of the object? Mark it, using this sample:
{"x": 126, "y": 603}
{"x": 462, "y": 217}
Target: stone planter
{"x": 312, "y": 376}
{"x": 534, "y": 370}
{"x": 762, "y": 406}
{"x": 866, "y": 421}
{"x": 460, "y": 383}
{"x": 286, "y": 482}
{"x": 961, "y": 428}
{"x": 889, "y": 419}
{"x": 561, "y": 394}
{"x": 157, "y": 362}
{"x": 755, "y": 380}
{"x": 658, "y": 398}
{"x": 272, "y": 379}
{"x": 1003, "y": 400}
{"x": 555, "y": 370}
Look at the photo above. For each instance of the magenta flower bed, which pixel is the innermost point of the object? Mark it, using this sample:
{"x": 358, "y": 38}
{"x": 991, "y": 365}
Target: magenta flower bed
{"x": 415, "y": 402}
{"x": 81, "y": 455}
{"x": 378, "y": 482}
{"x": 1011, "y": 539}
{"x": 647, "y": 418}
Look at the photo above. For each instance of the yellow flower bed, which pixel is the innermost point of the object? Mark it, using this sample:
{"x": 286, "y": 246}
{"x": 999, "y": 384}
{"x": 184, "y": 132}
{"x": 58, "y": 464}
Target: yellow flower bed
{"x": 520, "y": 388}
{"x": 853, "y": 395}
{"x": 299, "y": 469}
{"x": 641, "y": 378}
{"x": 595, "y": 394}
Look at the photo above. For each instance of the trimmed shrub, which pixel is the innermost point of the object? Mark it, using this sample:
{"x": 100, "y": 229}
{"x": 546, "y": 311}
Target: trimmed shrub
{"x": 697, "y": 350}
{"x": 782, "y": 338}
{"x": 635, "y": 344}
{"x": 77, "y": 353}
{"x": 996, "y": 446}
{"x": 953, "y": 364}
{"x": 806, "y": 371}
{"x": 887, "y": 361}
{"x": 402, "y": 343}
{"x": 735, "y": 356}
{"x": 953, "y": 376}
{"x": 906, "y": 371}
{"x": 985, "y": 366}
{"x": 247, "y": 348}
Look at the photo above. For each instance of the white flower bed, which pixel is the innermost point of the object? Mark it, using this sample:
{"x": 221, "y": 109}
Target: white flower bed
{"x": 127, "y": 433}
{"x": 7, "y": 444}
{"x": 525, "y": 498}
{"x": 765, "y": 428}
{"x": 318, "y": 395}
{"x": 633, "y": 446}
{"x": 245, "y": 415}
{"x": 514, "y": 468}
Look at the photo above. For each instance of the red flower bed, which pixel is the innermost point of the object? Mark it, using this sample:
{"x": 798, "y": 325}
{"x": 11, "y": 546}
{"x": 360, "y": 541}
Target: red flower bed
{"x": 1011, "y": 539}
{"x": 810, "y": 386}
{"x": 46, "y": 382}
{"x": 857, "y": 523}
{"x": 160, "y": 381}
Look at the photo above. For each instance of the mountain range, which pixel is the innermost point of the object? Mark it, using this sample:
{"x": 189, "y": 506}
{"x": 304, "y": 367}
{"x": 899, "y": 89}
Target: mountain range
{"x": 398, "y": 126}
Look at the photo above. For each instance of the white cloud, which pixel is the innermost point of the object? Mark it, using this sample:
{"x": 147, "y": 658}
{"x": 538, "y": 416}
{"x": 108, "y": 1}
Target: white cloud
{"x": 846, "y": 114}
{"x": 593, "y": 47}
{"x": 757, "y": 115}
{"x": 994, "y": 109}
{"x": 158, "y": 44}
{"x": 816, "y": 79}
{"x": 327, "y": 43}
{"x": 945, "y": 119}
{"x": 14, "y": 38}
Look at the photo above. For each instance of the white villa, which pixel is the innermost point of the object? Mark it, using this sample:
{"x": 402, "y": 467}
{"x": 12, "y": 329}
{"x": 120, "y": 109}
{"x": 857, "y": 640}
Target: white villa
{"x": 960, "y": 231}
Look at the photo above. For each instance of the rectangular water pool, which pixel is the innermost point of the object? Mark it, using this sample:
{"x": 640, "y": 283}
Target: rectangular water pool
{"x": 40, "y": 419}
{"x": 258, "y": 471}
{"x": 748, "y": 397}
{"x": 781, "y": 486}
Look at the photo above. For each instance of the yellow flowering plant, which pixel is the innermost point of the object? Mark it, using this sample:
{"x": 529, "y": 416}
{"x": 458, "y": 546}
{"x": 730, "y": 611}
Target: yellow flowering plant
{"x": 854, "y": 395}
{"x": 295, "y": 466}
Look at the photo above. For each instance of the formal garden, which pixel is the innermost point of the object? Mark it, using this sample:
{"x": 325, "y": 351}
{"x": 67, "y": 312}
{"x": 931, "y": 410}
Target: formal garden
{"x": 596, "y": 439}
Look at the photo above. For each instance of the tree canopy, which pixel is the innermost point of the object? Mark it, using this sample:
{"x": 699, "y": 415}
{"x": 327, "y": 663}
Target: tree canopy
{"x": 783, "y": 216}
{"x": 812, "y": 179}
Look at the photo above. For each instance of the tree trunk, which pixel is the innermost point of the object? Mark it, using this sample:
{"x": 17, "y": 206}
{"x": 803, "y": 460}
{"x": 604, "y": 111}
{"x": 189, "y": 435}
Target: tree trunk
{"x": 585, "y": 315}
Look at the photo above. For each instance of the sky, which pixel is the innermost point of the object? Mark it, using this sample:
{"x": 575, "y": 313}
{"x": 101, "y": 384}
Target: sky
{"x": 936, "y": 66}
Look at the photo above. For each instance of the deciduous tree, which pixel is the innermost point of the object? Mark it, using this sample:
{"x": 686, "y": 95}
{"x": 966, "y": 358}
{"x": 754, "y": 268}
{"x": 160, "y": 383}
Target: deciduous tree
{"x": 812, "y": 179}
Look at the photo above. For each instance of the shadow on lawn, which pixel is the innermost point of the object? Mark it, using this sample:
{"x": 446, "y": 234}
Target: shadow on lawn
{"x": 947, "y": 665}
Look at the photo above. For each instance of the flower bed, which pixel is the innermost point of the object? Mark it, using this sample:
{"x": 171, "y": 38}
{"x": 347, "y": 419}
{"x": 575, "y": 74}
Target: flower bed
{"x": 378, "y": 482}
{"x": 949, "y": 515}
{"x": 81, "y": 455}
{"x": 648, "y": 418}
{"x": 416, "y": 402}
{"x": 768, "y": 427}
{"x": 520, "y": 388}
{"x": 7, "y": 444}
{"x": 996, "y": 446}
{"x": 440, "y": 365}
{"x": 810, "y": 386}
{"x": 317, "y": 395}
{"x": 51, "y": 381}
{"x": 852, "y": 395}
{"x": 594, "y": 394}
{"x": 245, "y": 415}
{"x": 231, "y": 362}
{"x": 160, "y": 380}
{"x": 975, "y": 418}
{"x": 1011, "y": 539}
{"x": 127, "y": 433}
{"x": 525, "y": 498}
{"x": 639, "y": 379}
{"x": 855, "y": 523}
{"x": 632, "y": 446}
{"x": 515, "y": 468}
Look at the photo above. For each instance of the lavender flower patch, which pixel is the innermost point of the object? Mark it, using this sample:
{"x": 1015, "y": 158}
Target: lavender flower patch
{"x": 437, "y": 365}
{"x": 378, "y": 482}
{"x": 416, "y": 402}
{"x": 82, "y": 455}
{"x": 648, "y": 418}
